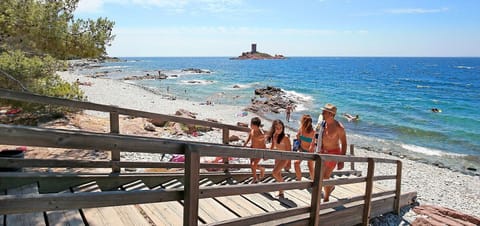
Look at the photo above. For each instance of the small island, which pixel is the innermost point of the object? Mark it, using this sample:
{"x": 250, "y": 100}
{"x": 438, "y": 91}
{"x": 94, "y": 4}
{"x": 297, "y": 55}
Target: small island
{"x": 254, "y": 55}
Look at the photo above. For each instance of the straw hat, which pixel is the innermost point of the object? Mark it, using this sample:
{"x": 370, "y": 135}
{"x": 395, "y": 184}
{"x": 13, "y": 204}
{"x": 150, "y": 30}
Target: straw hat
{"x": 330, "y": 108}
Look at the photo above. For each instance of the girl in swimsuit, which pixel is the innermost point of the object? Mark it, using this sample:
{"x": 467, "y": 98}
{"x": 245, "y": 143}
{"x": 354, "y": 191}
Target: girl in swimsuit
{"x": 305, "y": 136}
{"x": 257, "y": 137}
{"x": 280, "y": 142}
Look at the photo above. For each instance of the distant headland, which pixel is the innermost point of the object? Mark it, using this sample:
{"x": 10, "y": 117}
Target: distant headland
{"x": 255, "y": 55}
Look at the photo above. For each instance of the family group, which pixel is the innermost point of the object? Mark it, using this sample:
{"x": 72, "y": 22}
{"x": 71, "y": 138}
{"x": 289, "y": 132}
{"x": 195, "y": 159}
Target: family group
{"x": 327, "y": 138}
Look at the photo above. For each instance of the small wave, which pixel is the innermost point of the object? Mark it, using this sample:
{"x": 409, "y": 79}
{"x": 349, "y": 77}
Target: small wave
{"x": 429, "y": 151}
{"x": 198, "y": 82}
{"x": 301, "y": 107}
{"x": 463, "y": 67}
{"x": 298, "y": 96}
{"x": 422, "y": 87}
{"x": 238, "y": 86}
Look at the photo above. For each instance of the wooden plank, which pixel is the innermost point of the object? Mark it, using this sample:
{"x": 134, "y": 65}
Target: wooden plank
{"x": 65, "y": 217}
{"x": 162, "y": 213}
{"x": 33, "y": 98}
{"x": 368, "y": 192}
{"x": 264, "y": 200}
{"x": 191, "y": 187}
{"x": 238, "y": 204}
{"x": 115, "y": 129}
{"x": 2, "y": 217}
{"x": 352, "y": 153}
{"x": 26, "y": 218}
{"x": 351, "y": 214}
{"x": 398, "y": 187}
{"x": 118, "y": 215}
{"x": 316, "y": 199}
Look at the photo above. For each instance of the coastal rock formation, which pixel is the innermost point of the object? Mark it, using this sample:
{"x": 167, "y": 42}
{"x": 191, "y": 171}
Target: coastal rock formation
{"x": 147, "y": 76}
{"x": 270, "y": 99}
{"x": 196, "y": 70}
{"x": 255, "y": 55}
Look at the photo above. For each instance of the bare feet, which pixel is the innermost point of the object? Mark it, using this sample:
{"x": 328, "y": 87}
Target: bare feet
{"x": 281, "y": 195}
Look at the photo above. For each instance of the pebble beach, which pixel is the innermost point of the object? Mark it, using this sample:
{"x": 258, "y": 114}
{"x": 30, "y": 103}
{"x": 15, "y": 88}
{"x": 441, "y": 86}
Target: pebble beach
{"x": 434, "y": 185}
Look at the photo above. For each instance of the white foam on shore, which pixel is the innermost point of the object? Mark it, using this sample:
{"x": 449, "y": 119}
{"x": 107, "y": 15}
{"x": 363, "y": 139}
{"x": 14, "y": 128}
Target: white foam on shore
{"x": 428, "y": 151}
{"x": 197, "y": 82}
{"x": 298, "y": 96}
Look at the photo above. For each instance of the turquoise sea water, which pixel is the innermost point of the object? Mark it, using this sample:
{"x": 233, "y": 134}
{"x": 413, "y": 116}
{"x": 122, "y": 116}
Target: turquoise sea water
{"x": 393, "y": 96}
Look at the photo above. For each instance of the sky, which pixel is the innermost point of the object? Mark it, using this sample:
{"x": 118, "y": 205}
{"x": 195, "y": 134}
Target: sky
{"x": 437, "y": 28}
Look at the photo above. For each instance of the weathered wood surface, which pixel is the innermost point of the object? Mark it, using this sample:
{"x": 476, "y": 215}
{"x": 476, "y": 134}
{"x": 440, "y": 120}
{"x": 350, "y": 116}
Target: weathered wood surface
{"x": 65, "y": 217}
{"x": 118, "y": 215}
{"x": 35, "y": 218}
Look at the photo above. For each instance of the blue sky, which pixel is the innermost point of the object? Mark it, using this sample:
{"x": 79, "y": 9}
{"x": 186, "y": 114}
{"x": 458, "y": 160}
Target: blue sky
{"x": 291, "y": 28}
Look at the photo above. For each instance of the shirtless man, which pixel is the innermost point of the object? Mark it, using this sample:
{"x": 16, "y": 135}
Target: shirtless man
{"x": 334, "y": 142}
{"x": 257, "y": 136}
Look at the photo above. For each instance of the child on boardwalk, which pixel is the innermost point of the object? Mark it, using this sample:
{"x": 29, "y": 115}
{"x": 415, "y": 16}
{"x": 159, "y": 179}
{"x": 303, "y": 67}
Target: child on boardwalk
{"x": 257, "y": 137}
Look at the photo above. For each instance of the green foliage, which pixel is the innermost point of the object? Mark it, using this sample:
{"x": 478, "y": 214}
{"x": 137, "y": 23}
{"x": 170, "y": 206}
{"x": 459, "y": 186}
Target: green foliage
{"x": 37, "y": 74}
{"x": 36, "y": 35}
{"x": 48, "y": 27}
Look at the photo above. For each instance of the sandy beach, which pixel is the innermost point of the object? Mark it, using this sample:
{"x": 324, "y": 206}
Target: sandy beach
{"x": 434, "y": 185}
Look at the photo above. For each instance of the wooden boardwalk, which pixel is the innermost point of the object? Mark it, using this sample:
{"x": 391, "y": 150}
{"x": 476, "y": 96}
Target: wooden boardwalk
{"x": 211, "y": 210}
{"x": 188, "y": 197}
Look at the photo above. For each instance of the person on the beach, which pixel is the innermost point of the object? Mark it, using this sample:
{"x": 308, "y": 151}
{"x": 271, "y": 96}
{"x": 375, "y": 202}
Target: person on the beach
{"x": 351, "y": 118}
{"x": 288, "y": 111}
{"x": 333, "y": 142}
{"x": 280, "y": 142}
{"x": 257, "y": 136}
{"x": 305, "y": 136}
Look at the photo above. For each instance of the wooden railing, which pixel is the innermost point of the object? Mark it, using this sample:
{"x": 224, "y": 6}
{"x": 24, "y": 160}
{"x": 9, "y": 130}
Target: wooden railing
{"x": 114, "y": 113}
{"x": 193, "y": 151}
{"x": 191, "y": 193}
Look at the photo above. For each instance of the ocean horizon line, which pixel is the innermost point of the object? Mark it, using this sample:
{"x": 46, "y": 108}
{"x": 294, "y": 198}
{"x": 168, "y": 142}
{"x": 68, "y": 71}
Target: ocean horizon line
{"x": 304, "y": 56}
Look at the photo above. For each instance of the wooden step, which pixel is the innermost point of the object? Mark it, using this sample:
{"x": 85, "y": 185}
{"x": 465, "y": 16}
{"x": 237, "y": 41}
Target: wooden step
{"x": 162, "y": 213}
{"x": 65, "y": 217}
{"x": 114, "y": 216}
{"x": 25, "y": 218}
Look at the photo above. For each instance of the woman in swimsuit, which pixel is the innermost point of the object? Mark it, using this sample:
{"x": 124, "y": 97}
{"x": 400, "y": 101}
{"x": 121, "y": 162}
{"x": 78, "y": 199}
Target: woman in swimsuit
{"x": 305, "y": 136}
{"x": 280, "y": 142}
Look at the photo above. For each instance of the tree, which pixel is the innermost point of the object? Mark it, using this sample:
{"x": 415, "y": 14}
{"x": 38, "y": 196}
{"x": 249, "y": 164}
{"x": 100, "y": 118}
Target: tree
{"x": 37, "y": 35}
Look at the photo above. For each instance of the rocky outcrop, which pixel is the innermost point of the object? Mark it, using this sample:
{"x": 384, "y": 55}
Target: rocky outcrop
{"x": 147, "y": 76}
{"x": 269, "y": 99}
{"x": 196, "y": 70}
{"x": 258, "y": 56}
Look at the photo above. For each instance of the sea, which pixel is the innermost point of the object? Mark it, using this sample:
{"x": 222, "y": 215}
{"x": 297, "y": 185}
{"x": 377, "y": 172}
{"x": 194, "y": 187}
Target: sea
{"x": 393, "y": 96}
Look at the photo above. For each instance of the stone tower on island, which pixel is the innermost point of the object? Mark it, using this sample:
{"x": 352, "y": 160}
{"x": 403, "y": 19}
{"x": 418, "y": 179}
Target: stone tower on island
{"x": 255, "y": 55}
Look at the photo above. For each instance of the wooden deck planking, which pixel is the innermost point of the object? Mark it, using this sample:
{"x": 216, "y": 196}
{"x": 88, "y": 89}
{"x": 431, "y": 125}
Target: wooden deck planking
{"x": 240, "y": 205}
{"x": 26, "y": 218}
{"x": 162, "y": 213}
{"x": 114, "y": 216}
{"x": 2, "y": 217}
{"x": 65, "y": 217}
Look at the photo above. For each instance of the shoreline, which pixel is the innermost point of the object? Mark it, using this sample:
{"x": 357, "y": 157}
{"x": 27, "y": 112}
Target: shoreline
{"x": 434, "y": 185}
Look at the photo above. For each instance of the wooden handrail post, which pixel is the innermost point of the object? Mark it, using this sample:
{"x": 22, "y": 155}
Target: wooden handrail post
{"x": 191, "y": 188}
{"x": 398, "y": 186}
{"x": 352, "y": 153}
{"x": 115, "y": 129}
{"x": 368, "y": 192}
{"x": 316, "y": 191}
{"x": 226, "y": 139}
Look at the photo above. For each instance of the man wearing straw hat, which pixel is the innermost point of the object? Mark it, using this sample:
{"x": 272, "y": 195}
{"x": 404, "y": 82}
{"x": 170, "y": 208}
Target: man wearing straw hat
{"x": 332, "y": 141}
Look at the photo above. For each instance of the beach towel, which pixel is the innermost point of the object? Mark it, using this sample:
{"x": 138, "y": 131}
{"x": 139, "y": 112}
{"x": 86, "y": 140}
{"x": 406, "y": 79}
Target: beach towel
{"x": 319, "y": 132}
